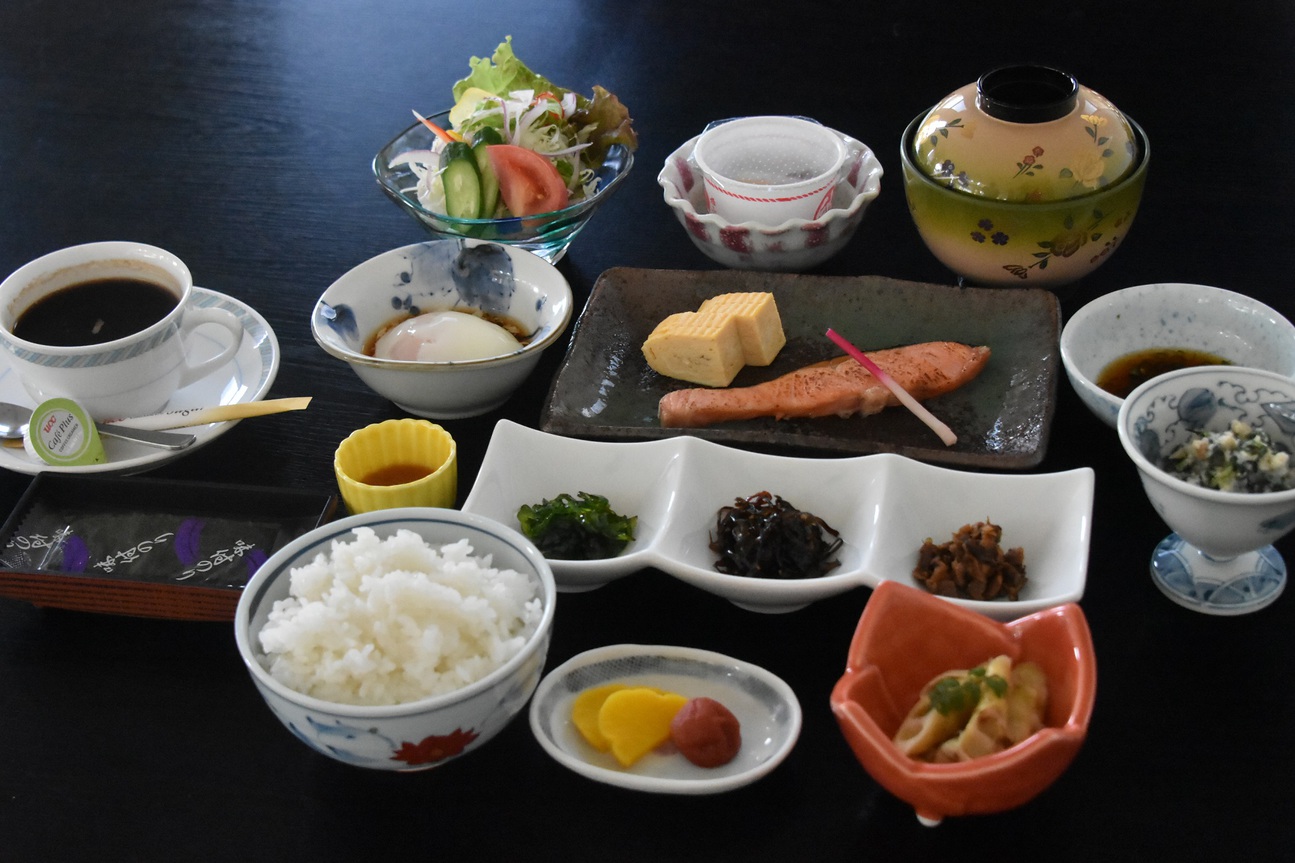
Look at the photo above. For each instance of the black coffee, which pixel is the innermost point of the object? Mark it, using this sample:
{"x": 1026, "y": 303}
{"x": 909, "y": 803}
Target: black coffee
{"x": 90, "y": 313}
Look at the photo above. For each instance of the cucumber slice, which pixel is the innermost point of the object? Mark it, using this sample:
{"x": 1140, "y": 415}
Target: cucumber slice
{"x": 462, "y": 182}
{"x": 487, "y": 135}
{"x": 489, "y": 182}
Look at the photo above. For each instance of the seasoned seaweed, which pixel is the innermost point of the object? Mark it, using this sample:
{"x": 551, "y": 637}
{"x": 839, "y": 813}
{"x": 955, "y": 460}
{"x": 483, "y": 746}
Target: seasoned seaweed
{"x": 764, "y": 536}
{"x": 576, "y": 528}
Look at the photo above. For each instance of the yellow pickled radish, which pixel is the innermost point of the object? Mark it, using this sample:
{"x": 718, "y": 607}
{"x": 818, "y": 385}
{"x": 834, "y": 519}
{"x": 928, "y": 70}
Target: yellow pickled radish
{"x": 584, "y": 713}
{"x": 637, "y": 720}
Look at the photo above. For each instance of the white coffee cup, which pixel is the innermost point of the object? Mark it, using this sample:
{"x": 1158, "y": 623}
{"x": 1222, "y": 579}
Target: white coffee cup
{"x": 133, "y": 375}
{"x": 768, "y": 170}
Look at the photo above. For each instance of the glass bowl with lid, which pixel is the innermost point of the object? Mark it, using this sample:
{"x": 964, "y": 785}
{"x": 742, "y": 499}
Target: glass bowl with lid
{"x": 1023, "y": 177}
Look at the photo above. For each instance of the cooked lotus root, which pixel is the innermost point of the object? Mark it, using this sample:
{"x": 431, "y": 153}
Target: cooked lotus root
{"x": 964, "y": 714}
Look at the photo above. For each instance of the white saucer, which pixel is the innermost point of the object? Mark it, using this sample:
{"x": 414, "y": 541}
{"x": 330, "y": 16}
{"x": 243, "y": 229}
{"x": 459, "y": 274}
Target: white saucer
{"x": 245, "y": 378}
{"x": 766, "y": 707}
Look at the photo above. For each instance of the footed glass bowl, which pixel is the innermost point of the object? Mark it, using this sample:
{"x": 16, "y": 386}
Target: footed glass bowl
{"x": 546, "y": 234}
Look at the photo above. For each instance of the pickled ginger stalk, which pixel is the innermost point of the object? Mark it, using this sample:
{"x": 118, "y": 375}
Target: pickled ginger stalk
{"x": 932, "y": 422}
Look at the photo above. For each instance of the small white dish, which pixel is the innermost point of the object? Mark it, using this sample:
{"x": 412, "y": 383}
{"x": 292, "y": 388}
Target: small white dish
{"x": 245, "y": 378}
{"x": 765, "y": 706}
{"x": 883, "y": 505}
{"x": 1170, "y": 315}
{"x": 795, "y": 244}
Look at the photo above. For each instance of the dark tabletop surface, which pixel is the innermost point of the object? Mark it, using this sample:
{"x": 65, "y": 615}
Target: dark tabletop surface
{"x": 238, "y": 134}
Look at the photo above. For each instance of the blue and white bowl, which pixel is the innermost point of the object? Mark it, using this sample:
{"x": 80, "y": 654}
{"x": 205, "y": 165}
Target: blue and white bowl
{"x": 416, "y": 735}
{"x": 435, "y": 276}
{"x": 1163, "y": 413}
{"x": 1227, "y": 324}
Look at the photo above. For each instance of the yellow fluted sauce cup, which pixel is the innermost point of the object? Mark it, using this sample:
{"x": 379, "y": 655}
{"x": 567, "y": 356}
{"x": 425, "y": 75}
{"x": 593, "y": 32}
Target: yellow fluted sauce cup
{"x": 397, "y": 463}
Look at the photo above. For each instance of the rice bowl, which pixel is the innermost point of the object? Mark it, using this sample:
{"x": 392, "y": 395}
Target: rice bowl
{"x": 433, "y": 729}
{"x": 387, "y": 621}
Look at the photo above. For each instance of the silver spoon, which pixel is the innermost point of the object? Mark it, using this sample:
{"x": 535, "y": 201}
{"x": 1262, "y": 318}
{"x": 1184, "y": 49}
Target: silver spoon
{"x": 1283, "y": 412}
{"x": 14, "y": 418}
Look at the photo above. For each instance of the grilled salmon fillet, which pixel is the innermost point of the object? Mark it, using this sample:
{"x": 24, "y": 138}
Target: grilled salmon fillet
{"x": 839, "y": 387}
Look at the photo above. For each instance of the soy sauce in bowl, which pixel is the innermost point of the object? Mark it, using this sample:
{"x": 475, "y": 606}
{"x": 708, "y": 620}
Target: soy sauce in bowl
{"x": 1124, "y": 374}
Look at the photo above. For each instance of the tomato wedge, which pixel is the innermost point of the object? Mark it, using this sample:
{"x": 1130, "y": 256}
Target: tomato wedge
{"x": 528, "y": 182}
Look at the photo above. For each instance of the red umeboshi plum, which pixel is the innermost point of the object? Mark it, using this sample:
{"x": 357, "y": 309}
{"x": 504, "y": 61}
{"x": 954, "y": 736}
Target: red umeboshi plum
{"x": 706, "y": 732}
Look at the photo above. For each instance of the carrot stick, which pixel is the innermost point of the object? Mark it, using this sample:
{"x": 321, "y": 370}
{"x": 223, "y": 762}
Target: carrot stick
{"x": 946, "y": 434}
{"x": 440, "y": 133}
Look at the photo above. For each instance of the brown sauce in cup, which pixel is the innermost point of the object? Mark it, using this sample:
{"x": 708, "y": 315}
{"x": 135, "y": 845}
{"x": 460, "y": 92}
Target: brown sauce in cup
{"x": 397, "y": 474}
{"x": 1125, "y": 374}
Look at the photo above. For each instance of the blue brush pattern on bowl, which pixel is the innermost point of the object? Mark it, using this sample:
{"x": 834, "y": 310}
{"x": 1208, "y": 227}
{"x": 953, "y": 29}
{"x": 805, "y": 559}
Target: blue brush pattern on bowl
{"x": 1219, "y": 557}
{"x": 438, "y": 275}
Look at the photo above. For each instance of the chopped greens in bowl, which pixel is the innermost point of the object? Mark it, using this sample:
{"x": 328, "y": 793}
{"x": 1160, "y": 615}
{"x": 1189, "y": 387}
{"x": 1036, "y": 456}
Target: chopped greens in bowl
{"x": 1240, "y": 459}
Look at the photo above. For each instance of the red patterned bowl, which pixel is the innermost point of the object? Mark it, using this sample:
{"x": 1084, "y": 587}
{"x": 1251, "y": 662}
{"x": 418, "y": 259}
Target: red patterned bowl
{"x": 905, "y": 637}
{"x": 794, "y": 245}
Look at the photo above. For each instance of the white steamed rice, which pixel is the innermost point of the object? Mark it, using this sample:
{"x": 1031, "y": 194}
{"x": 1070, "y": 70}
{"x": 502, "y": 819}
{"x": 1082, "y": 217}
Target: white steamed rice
{"x": 387, "y": 621}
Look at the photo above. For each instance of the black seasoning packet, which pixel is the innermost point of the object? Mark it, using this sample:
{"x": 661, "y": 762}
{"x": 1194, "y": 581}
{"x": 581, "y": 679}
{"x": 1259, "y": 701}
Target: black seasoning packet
{"x": 154, "y": 531}
{"x": 209, "y": 550}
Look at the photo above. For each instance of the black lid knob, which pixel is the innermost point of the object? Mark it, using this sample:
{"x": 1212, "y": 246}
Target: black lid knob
{"x": 1027, "y": 94}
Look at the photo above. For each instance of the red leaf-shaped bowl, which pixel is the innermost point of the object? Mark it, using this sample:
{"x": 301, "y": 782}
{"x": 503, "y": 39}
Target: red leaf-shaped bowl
{"x": 904, "y": 638}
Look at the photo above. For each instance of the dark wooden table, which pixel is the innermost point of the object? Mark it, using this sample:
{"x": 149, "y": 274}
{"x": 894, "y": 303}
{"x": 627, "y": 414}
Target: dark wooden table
{"x": 238, "y": 134}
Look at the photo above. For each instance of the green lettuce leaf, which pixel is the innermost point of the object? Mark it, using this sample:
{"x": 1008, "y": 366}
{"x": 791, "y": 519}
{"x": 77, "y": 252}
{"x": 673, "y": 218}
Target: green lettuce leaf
{"x": 503, "y": 73}
{"x": 602, "y": 120}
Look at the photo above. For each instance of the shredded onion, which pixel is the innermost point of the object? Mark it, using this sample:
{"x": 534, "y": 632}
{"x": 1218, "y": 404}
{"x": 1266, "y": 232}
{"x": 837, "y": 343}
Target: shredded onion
{"x": 415, "y": 157}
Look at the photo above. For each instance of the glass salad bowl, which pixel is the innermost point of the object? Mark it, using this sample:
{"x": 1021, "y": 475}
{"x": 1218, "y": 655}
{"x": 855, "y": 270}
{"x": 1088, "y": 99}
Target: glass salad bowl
{"x": 545, "y": 234}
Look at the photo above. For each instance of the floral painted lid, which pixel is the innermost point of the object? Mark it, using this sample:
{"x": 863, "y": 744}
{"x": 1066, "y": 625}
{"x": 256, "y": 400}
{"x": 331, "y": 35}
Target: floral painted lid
{"x": 1025, "y": 133}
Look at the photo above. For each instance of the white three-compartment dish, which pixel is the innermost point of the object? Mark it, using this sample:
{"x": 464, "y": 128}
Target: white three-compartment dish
{"x": 765, "y": 706}
{"x": 245, "y": 378}
{"x": 883, "y": 505}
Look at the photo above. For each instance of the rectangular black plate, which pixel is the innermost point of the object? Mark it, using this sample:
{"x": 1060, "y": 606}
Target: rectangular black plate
{"x": 156, "y": 548}
{"x": 605, "y": 389}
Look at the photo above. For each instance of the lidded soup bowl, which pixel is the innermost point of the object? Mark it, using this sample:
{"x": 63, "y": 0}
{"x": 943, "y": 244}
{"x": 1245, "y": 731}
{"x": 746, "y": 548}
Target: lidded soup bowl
{"x": 1025, "y": 133}
{"x": 1023, "y": 176}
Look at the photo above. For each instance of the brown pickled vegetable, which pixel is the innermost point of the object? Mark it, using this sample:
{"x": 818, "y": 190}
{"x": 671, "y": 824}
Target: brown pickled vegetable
{"x": 972, "y": 565}
{"x": 764, "y": 536}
